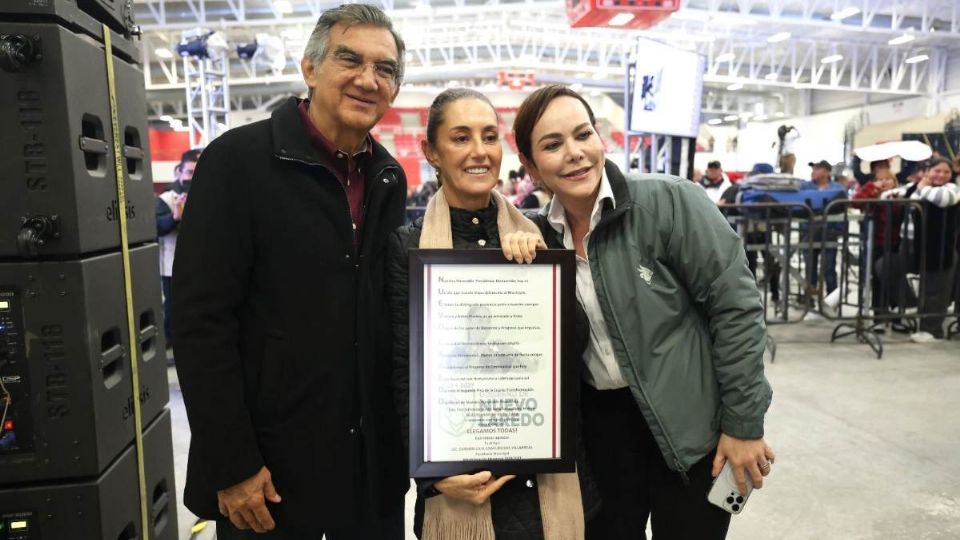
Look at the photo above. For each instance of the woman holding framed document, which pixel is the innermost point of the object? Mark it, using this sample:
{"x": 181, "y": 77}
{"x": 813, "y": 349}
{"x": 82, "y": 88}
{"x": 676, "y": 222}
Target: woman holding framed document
{"x": 674, "y": 385}
{"x": 463, "y": 145}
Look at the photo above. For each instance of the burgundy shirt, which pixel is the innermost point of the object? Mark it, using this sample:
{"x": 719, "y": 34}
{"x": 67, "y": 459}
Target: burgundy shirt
{"x": 345, "y": 167}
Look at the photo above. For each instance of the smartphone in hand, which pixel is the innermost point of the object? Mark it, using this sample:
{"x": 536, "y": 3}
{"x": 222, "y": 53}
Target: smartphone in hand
{"x": 725, "y": 493}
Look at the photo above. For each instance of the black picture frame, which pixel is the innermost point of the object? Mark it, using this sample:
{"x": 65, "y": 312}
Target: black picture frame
{"x": 567, "y": 372}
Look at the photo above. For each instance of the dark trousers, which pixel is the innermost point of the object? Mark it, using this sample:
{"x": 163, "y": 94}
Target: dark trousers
{"x": 812, "y": 259}
{"x": 635, "y": 482}
{"x": 391, "y": 529}
{"x": 936, "y": 299}
{"x": 167, "y": 282}
{"x": 771, "y": 268}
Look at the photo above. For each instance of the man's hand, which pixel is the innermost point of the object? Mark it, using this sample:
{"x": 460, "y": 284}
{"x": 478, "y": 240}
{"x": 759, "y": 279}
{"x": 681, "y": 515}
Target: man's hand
{"x": 751, "y": 454}
{"x": 177, "y": 209}
{"x": 522, "y": 246}
{"x": 473, "y": 488}
{"x": 244, "y": 503}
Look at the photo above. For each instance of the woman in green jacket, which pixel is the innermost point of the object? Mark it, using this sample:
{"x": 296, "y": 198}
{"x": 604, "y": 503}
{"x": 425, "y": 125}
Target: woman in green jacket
{"x": 675, "y": 385}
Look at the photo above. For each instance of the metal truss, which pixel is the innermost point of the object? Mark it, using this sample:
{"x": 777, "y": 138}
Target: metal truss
{"x": 470, "y": 41}
{"x": 207, "y": 98}
{"x": 755, "y": 106}
{"x": 798, "y": 64}
{"x": 933, "y": 19}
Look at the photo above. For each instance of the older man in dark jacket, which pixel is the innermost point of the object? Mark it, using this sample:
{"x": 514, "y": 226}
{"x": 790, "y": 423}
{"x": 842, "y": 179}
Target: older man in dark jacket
{"x": 283, "y": 341}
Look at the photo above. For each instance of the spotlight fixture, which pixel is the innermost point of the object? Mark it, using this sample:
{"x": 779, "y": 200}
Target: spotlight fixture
{"x": 900, "y": 40}
{"x": 778, "y": 37}
{"x": 844, "y": 13}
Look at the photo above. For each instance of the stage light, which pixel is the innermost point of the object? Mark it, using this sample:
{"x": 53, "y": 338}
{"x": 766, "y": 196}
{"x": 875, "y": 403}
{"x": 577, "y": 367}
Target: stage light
{"x": 778, "y": 37}
{"x": 900, "y": 40}
{"x": 844, "y": 13}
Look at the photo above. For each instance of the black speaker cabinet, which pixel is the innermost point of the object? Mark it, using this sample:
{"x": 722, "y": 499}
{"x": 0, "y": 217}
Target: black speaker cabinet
{"x": 104, "y": 508}
{"x": 85, "y": 18}
{"x": 117, "y": 14}
{"x": 56, "y": 148}
{"x": 64, "y": 359}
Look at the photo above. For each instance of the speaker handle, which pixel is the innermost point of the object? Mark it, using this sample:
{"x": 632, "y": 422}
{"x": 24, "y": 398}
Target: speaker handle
{"x": 110, "y": 365}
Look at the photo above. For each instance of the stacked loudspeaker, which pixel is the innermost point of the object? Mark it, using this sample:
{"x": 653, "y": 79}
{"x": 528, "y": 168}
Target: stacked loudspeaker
{"x": 68, "y": 461}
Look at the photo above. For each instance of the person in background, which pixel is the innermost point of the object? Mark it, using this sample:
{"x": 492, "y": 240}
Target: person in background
{"x": 170, "y": 205}
{"x": 674, "y": 385}
{"x": 525, "y": 186}
{"x": 463, "y": 144}
{"x": 888, "y": 282}
{"x": 505, "y": 187}
{"x": 538, "y": 198}
{"x": 787, "y": 163}
{"x": 282, "y": 330}
{"x": 423, "y": 193}
{"x": 754, "y": 233}
{"x": 696, "y": 175}
{"x": 715, "y": 181}
{"x": 876, "y": 167}
{"x": 929, "y": 242}
{"x": 882, "y": 166}
{"x": 820, "y": 180}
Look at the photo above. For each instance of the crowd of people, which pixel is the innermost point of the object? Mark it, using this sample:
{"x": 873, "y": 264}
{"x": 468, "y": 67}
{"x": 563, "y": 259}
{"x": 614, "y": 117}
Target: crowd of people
{"x": 918, "y": 238}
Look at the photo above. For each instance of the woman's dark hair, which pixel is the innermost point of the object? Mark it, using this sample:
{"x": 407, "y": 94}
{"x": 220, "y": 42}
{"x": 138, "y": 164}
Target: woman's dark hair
{"x": 933, "y": 162}
{"x": 439, "y": 106}
{"x": 532, "y": 109}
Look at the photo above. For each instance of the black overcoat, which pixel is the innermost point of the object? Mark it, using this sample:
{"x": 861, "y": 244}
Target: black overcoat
{"x": 281, "y": 333}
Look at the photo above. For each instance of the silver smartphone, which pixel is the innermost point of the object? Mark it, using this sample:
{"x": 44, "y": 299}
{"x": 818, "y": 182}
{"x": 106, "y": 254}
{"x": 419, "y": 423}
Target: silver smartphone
{"x": 725, "y": 493}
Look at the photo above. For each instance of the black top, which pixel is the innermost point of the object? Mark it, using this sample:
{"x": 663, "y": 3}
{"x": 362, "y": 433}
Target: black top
{"x": 475, "y": 229}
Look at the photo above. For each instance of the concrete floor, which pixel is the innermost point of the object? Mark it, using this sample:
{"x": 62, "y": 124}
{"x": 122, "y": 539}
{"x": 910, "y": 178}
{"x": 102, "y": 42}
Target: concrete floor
{"x": 867, "y": 449}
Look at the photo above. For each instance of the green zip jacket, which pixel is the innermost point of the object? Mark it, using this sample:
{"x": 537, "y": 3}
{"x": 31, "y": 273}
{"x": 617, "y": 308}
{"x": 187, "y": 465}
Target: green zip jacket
{"x": 683, "y": 312}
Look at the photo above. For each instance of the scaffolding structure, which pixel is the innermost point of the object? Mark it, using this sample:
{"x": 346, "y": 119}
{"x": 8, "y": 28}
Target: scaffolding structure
{"x": 208, "y": 96}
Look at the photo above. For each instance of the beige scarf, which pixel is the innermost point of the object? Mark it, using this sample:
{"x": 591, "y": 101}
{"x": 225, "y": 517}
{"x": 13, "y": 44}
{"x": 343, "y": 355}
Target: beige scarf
{"x": 561, "y": 508}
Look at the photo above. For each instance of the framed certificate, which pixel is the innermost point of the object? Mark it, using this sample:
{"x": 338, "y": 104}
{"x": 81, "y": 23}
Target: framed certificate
{"x": 493, "y": 374}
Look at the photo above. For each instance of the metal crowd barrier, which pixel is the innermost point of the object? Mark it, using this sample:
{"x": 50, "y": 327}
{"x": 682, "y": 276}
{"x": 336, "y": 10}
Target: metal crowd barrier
{"x": 891, "y": 282}
{"x": 882, "y": 281}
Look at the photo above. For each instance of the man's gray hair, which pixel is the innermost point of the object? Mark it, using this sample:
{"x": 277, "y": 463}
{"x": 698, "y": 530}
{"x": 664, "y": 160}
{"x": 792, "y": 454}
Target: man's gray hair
{"x": 352, "y": 14}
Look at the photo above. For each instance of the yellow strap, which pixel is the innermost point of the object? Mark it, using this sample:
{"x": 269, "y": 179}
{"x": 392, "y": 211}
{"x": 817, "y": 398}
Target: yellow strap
{"x": 946, "y": 140}
{"x": 127, "y": 286}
